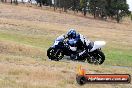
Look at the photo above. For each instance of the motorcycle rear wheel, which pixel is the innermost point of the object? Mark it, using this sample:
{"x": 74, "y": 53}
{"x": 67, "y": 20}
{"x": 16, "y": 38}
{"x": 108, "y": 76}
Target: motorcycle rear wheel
{"x": 97, "y": 57}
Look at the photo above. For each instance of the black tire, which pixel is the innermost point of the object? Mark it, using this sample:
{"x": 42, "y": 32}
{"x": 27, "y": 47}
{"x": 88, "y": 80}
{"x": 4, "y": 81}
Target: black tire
{"x": 50, "y": 53}
{"x": 97, "y": 55}
{"x": 81, "y": 80}
{"x": 54, "y": 54}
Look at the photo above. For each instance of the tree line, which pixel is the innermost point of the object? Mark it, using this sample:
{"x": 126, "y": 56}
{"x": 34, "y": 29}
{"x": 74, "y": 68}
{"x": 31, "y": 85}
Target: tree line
{"x": 103, "y": 9}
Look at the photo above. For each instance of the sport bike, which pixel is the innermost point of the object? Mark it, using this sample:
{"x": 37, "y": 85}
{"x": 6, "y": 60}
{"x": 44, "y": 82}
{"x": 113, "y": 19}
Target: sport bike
{"x": 62, "y": 48}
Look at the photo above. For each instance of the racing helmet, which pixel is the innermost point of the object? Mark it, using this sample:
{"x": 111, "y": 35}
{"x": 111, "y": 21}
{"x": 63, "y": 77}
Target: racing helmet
{"x": 71, "y": 34}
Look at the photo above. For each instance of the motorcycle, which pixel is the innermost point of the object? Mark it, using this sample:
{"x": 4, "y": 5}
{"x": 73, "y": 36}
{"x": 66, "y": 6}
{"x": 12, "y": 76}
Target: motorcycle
{"x": 63, "y": 48}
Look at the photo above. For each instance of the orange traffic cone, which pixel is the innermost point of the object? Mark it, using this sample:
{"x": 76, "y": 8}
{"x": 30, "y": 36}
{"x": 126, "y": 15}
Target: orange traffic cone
{"x": 81, "y": 71}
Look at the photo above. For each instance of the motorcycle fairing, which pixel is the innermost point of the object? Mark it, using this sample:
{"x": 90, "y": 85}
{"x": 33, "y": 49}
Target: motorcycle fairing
{"x": 97, "y": 45}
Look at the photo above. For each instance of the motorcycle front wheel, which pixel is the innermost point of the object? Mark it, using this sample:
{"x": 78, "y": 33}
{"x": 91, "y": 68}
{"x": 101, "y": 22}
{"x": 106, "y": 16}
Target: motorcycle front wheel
{"x": 97, "y": 57}
{"x": 54, "y": 54}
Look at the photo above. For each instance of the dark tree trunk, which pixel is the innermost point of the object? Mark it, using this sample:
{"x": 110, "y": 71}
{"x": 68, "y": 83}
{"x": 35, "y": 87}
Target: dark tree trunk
{"x": 85, "y": 12}
{"x": 55, "y": 3}
{"x": 131, "y": 16}
{"x": 85, "y": 5}
{"x": 11, "y": 1}
{"x": 54, "y": 7}
{"x": 118, "y": 18}
{"x": 2, "y": 0}
{"x": 65, "y": 6}
{"x": 94, "y": 10}
{"x": 22, "y": 1}
{"x": 40, "y": 4}
{"x": 16, "y": 2}
{"x": 50, "y": 3}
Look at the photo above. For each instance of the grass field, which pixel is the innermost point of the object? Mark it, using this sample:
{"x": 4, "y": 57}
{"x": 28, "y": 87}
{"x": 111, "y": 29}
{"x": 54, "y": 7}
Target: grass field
{"x": 26, "y": 34}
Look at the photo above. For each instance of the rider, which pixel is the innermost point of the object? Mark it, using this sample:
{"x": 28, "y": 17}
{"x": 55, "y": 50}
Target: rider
{"x": 82, "y": 43}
